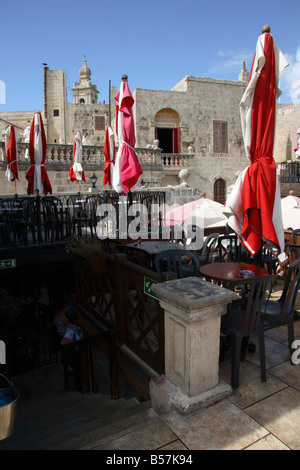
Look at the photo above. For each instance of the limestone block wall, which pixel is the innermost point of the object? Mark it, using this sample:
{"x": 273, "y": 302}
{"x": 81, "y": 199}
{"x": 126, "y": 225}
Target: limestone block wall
{"x": 287, "y": 124}
{"x": 56, "y": 92}
{"x": 82, "y": 118}
{"x": 20, "y": 119}
{"x": 198, "y": 101}
{"x": 59, "y": 180}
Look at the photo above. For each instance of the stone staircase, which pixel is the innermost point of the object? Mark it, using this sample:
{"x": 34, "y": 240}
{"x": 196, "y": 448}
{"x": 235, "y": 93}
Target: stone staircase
{"x": 48, "y": 418}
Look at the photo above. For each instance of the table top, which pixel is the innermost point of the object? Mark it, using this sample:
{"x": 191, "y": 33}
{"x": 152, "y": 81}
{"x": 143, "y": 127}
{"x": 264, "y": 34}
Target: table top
{"x": 156, "y": 246}
{"x": 229, "y": 272}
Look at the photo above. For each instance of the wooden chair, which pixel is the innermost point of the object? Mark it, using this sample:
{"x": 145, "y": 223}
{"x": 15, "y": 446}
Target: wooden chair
{"x": 293, "y": 251}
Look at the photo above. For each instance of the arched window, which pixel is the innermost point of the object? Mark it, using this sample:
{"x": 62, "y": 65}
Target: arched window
{"x": 167, "y": 130}
{"x": 220, "y": 191}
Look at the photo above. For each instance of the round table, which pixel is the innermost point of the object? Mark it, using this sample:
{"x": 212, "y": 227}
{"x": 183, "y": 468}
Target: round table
{"x": 229, "y": 272}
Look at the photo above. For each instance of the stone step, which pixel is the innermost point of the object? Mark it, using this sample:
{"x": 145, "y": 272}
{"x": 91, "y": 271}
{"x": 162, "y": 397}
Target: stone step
{"x": 113, "y": 430}
{"x": 49, "y": 418}
{"x": 78, "y": 426}
{"x": 54, "y": 417}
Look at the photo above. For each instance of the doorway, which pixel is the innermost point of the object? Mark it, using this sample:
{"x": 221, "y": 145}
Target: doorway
{"x": 165, "y": 137}
{"x": 167, "y": 130}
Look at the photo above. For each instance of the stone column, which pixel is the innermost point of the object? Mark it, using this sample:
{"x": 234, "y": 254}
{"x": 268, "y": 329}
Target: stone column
{"x": 193, "y": 309}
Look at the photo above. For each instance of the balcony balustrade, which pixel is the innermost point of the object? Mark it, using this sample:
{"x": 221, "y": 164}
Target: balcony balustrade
{"x": 94, "y": 155}
{"x": 289, "y": 172}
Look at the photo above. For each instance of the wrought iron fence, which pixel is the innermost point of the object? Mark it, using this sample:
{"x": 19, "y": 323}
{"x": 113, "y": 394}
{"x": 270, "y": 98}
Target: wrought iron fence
{"x": 28, "y": 220}
{"x": 290, "y": 172}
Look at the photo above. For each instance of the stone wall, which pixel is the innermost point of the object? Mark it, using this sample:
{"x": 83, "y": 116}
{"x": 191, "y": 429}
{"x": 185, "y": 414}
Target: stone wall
{"x": 60, "y": 182}
{"x": 197, "y": 101}
{"x": 287, "y": 125}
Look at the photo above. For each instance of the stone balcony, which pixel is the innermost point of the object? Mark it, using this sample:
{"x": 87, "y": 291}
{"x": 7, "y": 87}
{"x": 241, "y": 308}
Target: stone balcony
{"x": 93, "y": 157}
{"x": 159, "y": 169}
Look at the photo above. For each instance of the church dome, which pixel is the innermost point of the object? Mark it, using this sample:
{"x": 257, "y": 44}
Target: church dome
{"x": 85, "y": 72}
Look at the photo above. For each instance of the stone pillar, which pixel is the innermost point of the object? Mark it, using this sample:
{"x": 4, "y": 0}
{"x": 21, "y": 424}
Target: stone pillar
{"x": 193, "y": 309}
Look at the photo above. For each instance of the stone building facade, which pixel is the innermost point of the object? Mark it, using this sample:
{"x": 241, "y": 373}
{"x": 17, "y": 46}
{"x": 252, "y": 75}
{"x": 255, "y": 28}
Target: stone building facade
{"x": 198, "y": 118}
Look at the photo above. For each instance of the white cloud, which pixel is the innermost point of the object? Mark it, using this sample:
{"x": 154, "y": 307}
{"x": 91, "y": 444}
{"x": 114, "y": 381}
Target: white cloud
{"x": 229, "y": 62}
{"x": 290, "y": 81}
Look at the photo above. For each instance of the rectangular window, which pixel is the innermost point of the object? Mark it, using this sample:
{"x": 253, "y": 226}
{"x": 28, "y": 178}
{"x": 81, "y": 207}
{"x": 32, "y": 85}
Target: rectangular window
{"x": 220, "y": 137}
{"x": 55, "y": 112}
{"x": 99, "y": 123}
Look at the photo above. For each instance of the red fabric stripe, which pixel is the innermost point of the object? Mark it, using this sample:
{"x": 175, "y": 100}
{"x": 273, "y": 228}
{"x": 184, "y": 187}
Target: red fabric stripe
{"x": 11, "y": 153}
{"x": 260, "y": 180}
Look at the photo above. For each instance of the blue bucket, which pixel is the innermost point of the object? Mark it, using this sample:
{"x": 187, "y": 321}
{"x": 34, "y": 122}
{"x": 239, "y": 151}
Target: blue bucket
{"x": 8, "y": 405}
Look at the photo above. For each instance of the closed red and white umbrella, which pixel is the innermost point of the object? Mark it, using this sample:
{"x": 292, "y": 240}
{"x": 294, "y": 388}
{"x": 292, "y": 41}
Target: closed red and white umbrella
{"x": 76, "y": 172}
{"x": 127, "y": 168}
{"x": 254, "y": 206}
{"x": 36, "y": 175}
{"x": 109, "y": 152}
{"x": 11, "y": 153}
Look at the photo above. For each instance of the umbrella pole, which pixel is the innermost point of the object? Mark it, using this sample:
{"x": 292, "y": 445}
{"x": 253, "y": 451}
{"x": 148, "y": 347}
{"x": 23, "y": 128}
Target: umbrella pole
{"x": 38, "y": 200}
{"x": 109, "y": 103}
{"x": 15, "y": 187}
{"x": 109, "y": 118}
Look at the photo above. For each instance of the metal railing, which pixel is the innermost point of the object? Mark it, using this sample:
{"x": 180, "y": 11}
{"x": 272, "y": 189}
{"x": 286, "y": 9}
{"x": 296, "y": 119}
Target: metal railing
{"x": 31, "y": 220}
{"x": 290, "y": 172}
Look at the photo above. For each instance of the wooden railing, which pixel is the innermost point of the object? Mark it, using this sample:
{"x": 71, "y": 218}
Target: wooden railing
{"x": 106, "y": 340}
{"x": 112, "y": 295}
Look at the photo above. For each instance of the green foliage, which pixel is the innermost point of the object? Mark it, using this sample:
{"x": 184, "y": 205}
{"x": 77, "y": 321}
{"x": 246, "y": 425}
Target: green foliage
{"x": 78, "y": 246}
{"x": 9, "y": 305}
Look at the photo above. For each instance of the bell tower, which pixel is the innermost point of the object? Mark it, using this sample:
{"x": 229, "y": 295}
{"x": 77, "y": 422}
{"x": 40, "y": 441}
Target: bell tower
{"x": 84, "y": 92}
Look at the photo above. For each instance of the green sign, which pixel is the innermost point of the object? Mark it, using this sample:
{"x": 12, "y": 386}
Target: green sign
{"x": 148, "y": 283}
{"x": 7, "y": 263}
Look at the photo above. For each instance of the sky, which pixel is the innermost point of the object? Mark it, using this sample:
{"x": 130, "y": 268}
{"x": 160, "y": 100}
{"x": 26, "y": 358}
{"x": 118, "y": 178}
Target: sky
{"x": 155, "y": 42}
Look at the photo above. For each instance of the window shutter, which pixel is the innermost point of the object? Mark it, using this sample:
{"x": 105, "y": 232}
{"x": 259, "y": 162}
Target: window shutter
{"x": 220, "y": 137}
{"x": 99, "y": 123}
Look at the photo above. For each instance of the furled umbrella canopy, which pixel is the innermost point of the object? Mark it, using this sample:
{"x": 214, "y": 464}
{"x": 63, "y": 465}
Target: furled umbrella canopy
{"x": 254, "y": 207}
{"x": 11, "y": 153}
{"x": 76, "y": 172}
{"x": 127, "y": 167}
{"x": 36, "y": 175}
{"x": 109, "y": 152}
